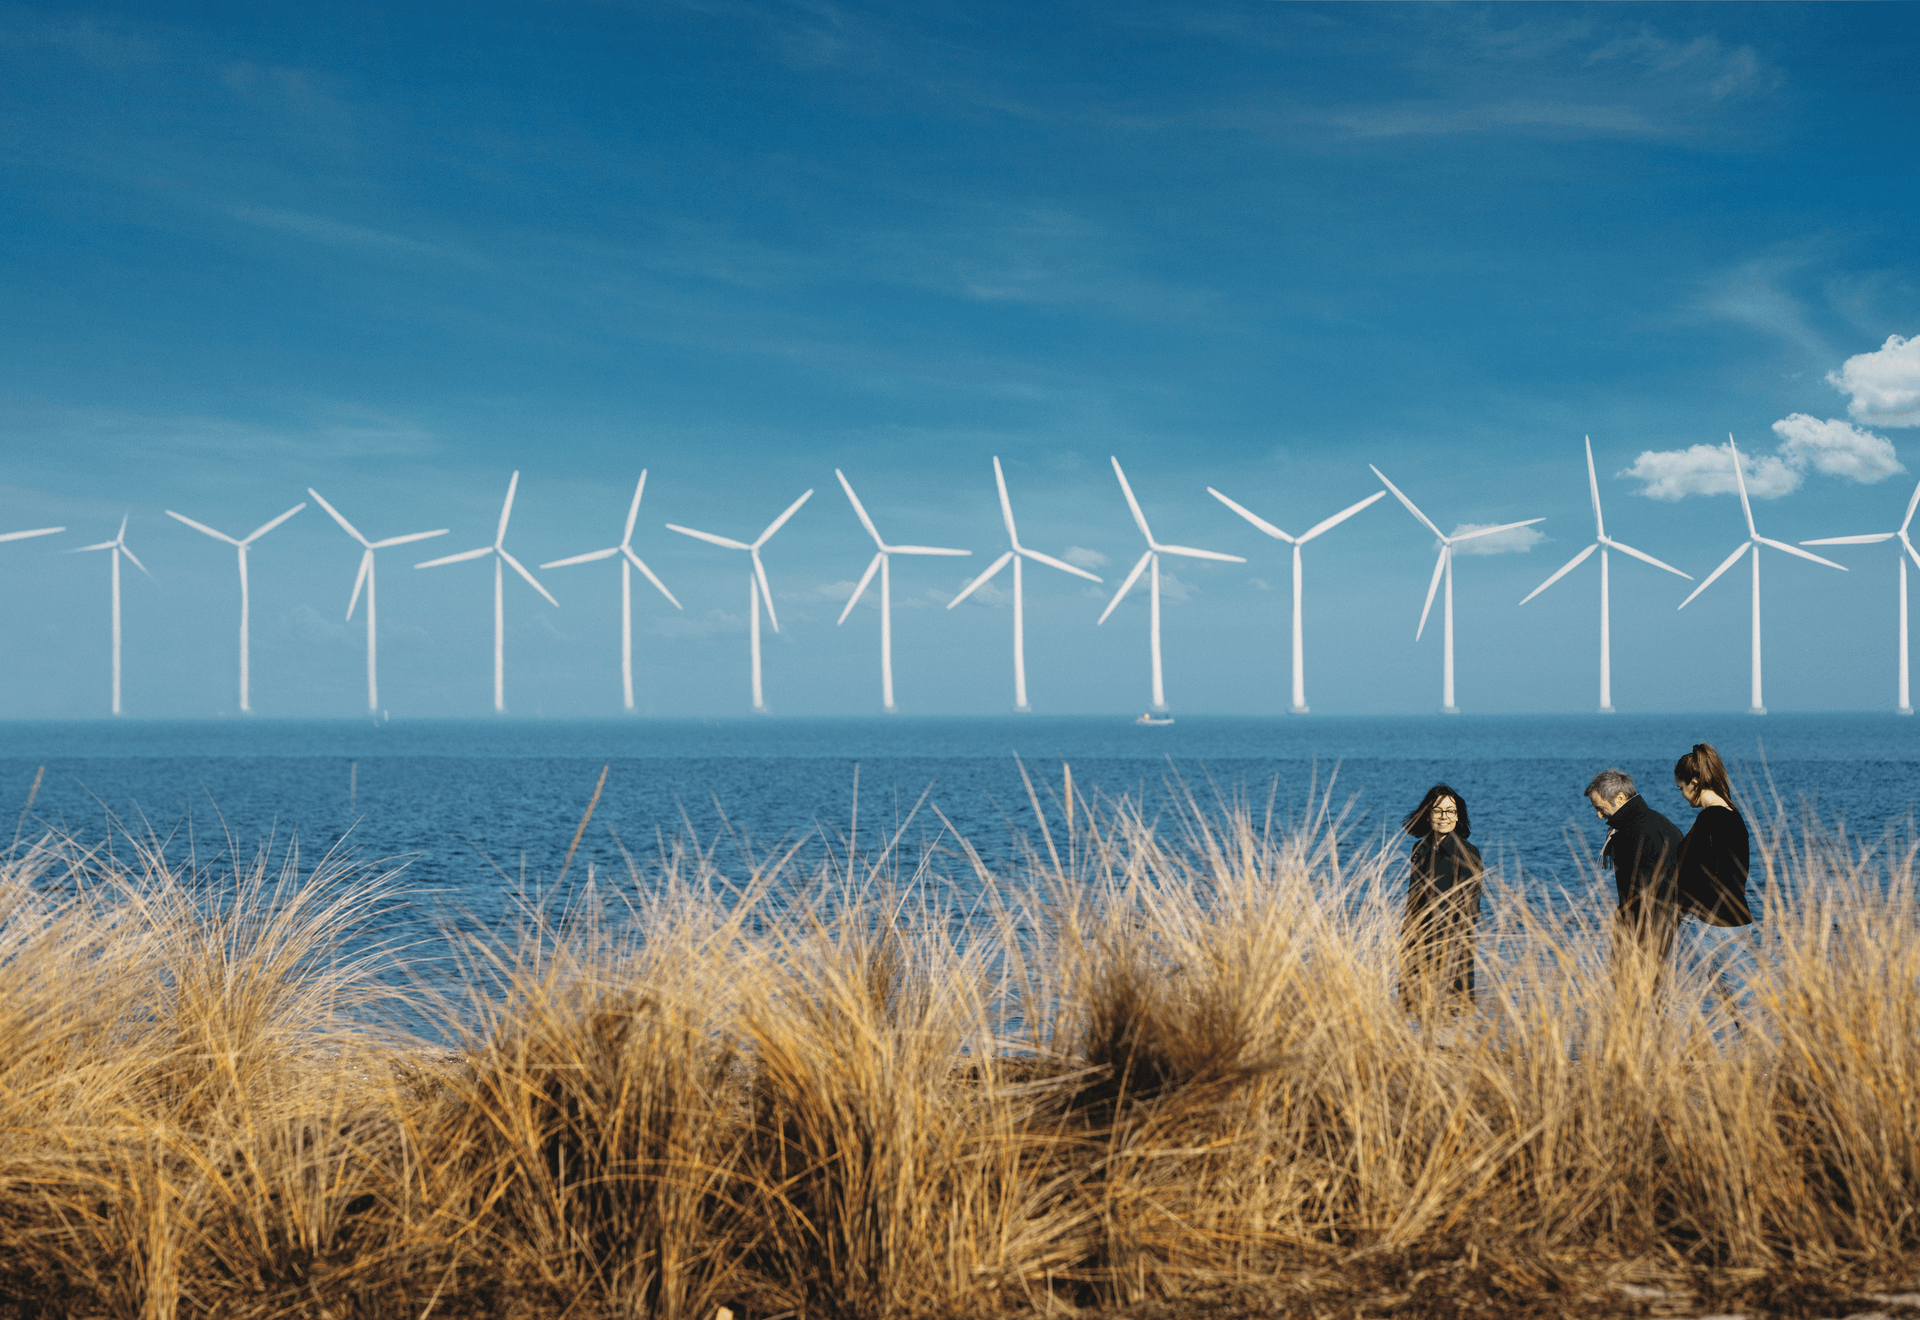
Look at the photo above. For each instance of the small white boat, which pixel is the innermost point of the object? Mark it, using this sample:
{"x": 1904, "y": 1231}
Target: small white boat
{"x": 1148, "y": 717}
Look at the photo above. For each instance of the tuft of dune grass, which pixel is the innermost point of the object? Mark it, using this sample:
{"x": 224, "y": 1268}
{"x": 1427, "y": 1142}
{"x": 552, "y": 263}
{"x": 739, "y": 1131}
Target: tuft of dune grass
{"x": 1161, "y": 1059}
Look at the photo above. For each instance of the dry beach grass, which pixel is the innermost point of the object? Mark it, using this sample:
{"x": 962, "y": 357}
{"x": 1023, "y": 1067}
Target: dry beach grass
{"x": 1162, "y": 1070}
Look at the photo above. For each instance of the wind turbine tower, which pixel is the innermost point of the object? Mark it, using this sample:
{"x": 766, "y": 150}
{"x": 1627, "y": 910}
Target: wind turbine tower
{"x": 1299, "y": 706}
{"x": 240, "y": 548}
{"x": 500, "y": 556}
{"x": 1014, "y": 555}
{"x": 1151, "y": 560}
{"x": 628, "y": 562}
{"x": 1906, "y": 545}
{"x": 117, "y": 547}
{"x": 365, "y": 579}
{"x": 881, "y": 561}
{"x": 1602, "y": 542}
{"x": 1753, "y": 542}
{"x": 1443, "y": 567}
{"x": 758, "y": 592}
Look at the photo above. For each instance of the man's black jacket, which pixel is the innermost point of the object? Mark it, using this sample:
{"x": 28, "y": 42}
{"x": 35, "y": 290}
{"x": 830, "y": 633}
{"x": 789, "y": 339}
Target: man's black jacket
{"x": 1644, "y": 848}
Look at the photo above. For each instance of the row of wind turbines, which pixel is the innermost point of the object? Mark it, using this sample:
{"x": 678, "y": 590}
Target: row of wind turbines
{"x": 760, "y": 594}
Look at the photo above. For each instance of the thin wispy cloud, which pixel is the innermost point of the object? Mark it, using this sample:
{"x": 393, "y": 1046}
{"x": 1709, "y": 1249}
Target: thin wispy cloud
{"x": 1515, "y": 540}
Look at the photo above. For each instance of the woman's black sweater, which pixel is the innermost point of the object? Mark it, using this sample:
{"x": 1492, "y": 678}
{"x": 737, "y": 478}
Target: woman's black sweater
{"x": 1713, "y": 868}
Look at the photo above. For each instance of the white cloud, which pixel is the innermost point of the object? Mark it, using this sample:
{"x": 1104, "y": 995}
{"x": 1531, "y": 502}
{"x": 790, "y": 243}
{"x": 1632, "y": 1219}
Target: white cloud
{"x": 1517, "y": 540}
{"x": 1259, "y": 584}
{"x": 1837, "y": 448}
{"x": 1883, "y": 386}
{"x": 1674, "y": 474}
{"x": 1833, "y": 448}
{"x": 1081, "y": 557}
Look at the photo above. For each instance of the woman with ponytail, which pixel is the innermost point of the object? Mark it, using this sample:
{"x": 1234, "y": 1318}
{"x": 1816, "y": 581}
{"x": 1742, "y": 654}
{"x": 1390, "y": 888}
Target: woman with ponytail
{"x": 1713, "y": 874}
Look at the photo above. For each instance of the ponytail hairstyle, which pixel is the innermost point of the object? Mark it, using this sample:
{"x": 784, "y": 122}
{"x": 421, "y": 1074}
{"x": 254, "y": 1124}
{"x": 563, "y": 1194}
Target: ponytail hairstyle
{"x": 1704, "y": 767}
{"x": 1419, "y": 821}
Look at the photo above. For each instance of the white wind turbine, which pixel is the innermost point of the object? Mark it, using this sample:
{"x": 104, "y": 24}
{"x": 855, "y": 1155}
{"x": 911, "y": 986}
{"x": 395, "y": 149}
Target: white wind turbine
{"x": 1906, "y": 705}
{"x": 882, "y": 560}
{"x": 628, "y": 562}
{"x": 365, "y": 579}
{"x": 1299, "y": 650}
{"x": 1602, "y": 542}
{"x": 118, "y": 546}
{"x": 1014, "y": 556}
{"x": 758, "y": 592}
{"x": 1753, "y": 542}
{"x": 1444, "y": 566}
{"x": 499, "y": 552}
{"x": 240, "y": 548}
{"x": 1152, "y": 559}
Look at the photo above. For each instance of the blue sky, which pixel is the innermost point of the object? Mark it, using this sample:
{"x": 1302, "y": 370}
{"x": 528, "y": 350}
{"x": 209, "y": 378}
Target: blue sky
{"x": 397, "y": 252}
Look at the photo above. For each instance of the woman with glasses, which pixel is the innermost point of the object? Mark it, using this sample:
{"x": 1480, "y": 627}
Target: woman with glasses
{"x": 1438, "y": 933}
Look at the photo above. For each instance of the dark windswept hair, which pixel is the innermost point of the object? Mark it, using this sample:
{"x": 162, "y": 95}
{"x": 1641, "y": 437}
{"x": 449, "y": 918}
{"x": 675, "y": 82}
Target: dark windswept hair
{"x": 1419, "y": 823}
{"x": 1704, "y": 767}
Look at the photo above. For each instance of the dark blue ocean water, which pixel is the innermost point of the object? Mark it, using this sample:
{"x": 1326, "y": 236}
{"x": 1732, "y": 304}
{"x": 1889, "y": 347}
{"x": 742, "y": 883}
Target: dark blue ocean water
{"x": 463, "y": 801}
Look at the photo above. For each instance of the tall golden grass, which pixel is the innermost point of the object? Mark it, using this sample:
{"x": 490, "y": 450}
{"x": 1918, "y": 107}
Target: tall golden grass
{"x": 1160, "y": 1058}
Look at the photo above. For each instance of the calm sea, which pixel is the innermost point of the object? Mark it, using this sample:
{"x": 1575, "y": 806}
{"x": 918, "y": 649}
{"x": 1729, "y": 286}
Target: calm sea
{"x": 463, "y": 801}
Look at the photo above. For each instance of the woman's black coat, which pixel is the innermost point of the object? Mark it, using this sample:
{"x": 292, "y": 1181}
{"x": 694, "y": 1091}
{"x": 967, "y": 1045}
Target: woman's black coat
{"x": 1713, "y": 868}
{"x": 1437, "y": 935}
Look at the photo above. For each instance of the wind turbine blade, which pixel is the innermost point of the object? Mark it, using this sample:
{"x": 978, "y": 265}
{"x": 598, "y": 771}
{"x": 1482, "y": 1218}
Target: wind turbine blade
{"x": 923, "y": 550}
{"x": 1191, "y": 553}
{"x": 1853, "y": 540}
{"x": 873, "y": 566}
{"x": 633, "y": 510}
{"x": 1139, "y": 518}
{"x": 1120, "y": 595}
{"x": 359, "y": 581}
{"x": 532, "y": 581}
{"x": 588, "y": 557}
{"x": 1006, "y": 505}
{"x": 1593, "y": 485}
{"x": 1565, "y": 569}
{"x": 1911, "y": 552}
{"x": 410, "y": 536}
{"x": 506, "y": 508}
{"x": 1725, "y": 564}
{"x": 1796, "y": 550}
{"x": 1912, "y": 504}
{"x": 981, "y": 581}
{"x": 104, "y": 545}
{"x": 780, "y": 522}
{"x": 859, "y": 509}
{"x": 264, "y": 528}
{"x": 1439, "y": 566}
{"x": 201, "y": 527}
{"x": 122, "y": 546}
{"x": 1340, "y": 517}
{"x": 1062, "y": 564}
{"x": 1642, "y": 555}
{"x": 462, "y": 557}
{"x": 766, "y": 590}
{"x": 1741, "y": 481}
{"x": 659, "y": 586}
{"x": 1489, "y": 531}
{"x": 1253, "y": 517}
{"x": 727, "y": 541}
{"x": 38, "y": 531}
{"x": 337, "y": 516}
{"x": 1411, "y": 508}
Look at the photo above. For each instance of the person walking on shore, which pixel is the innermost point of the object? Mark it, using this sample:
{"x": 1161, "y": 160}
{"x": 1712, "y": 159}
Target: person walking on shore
{"x": 1643, "y": 848}
{"x": 1438, "y": 934}
{"x": 1712, "y": 880}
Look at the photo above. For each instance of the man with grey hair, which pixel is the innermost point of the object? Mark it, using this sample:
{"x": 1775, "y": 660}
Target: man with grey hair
{"x": 1643, "y": 848}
